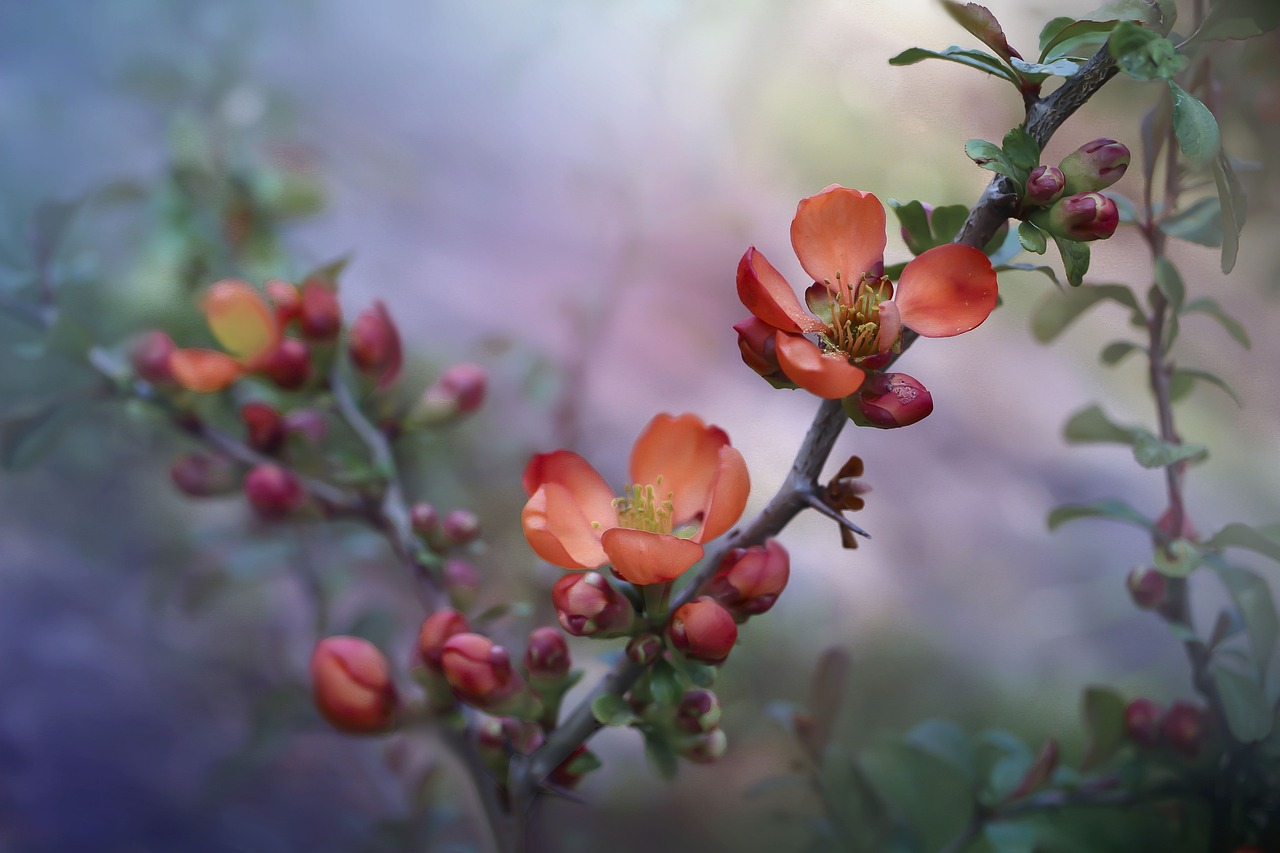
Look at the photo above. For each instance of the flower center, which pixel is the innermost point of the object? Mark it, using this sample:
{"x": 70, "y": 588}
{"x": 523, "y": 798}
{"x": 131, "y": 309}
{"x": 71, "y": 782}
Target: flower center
{"x": 640, "y": 508}
{"x": 855, "y": 315}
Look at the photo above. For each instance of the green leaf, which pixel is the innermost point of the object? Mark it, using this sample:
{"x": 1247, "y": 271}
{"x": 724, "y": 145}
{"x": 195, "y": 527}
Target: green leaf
{"x": 660, "y": 754}
{"x": 1206, "y": 305}
{"x": 983, "y": 25}
{"x": 1179, "y": 560}
{"x": 1257, "y": 607}
{"x": 1075, "y": 259}
{"x": 944, "y": 739}
{"x": 1200, "y": 223}
{"x": 1040, "y": 268}
{"x": 1152, "y": 452}
{"x": 1037, "y": 72}
{"x": 1244, "y": 536}
{"x": 973, "y": 58}
{"x": 1060, "y": 310}
{"x": 990, "y": 156}
{"x": 665, "y": 684}
{"x": 25, "y": 438}
{"x": 1144, "y": 54}
{"x": 1032, "y": 238}
{"x": 1189, "y": 376}
{"x": 1249, "y": 714}
{"x": 1170, "y": 283}
{"x": 1114, "y": 352}
{"x": 1021, "y": 148}
{"x": 1091, "y": 426}
{"x": 1194, "y": 126}
{"x": 1234, "y": 207}
{"x": 1104, "y": 719}
{"x": 915, "y": 222}
{"x": 610, "y": 709}
{"x": 946, "y": 222}
{"x": 1050, "y": 33}
{"x": 1074, "y": 38}
{"x": 1006, "y": 249}
{"x": 1237, "y": 19}
{"x": 1128, "y": 213}
{"x": 1112, "y": 508}
{"x": 1159, "y": 15}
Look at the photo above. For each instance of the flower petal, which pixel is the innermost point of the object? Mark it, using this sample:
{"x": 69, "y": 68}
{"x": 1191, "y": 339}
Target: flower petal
{"x": 890, "y": 325}
{"x": 767, "y": 295}
{"x": 640, "y": 557}
{"x": 240, "y": 319}
{"x": 946, "y": 291}
{"x": 559, "y": 532}
{"x": 584, "y": 483}
{"x": 728, "y": 495}
{"x": 685, "y": 453}
{"x": 839, "y": 230}
{"x": 203, "y": 370}
{"x": 829, "y": 376}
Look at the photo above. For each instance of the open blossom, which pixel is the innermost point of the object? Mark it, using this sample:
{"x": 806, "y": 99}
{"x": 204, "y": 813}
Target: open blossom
{"x": 243, "y": 324}
{"x": 857, "y": 313}
{"x": 688, "y": 486}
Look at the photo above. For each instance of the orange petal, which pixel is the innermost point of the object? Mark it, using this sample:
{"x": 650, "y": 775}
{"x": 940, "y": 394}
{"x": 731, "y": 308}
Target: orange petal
{"x": 240, "y": 319}
{"x": 827, "y": 375}
{"x": 838, "y": 230}
{"x": 559, "y": 532}
{"x": 946, "y": 291}
{"x": 203, "y": 370}
{"x": 643, "y": 558}
{"x": 890, "y": 325}
{"x": 728, "y": 495}
{"x": 767, "y": 295}
{"x": 583, "y": 482}
{"x": 685, "y": 453}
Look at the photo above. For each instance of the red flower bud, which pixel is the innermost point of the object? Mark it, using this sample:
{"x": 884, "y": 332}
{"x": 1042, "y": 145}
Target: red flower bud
{"x": 461, "y": 580}
{"x": 750, "y": 580}
{"x": 1146, "y": 587}
{"x": 203, "y": 474}
{"x": 424, "y": 518}
{"x": 435, "y": 632}
{"x": 319, "y": 312}
{"x": 149, "y": 356}
{"x": 705, "y": 748}
{"x": 698, "y": 712}
{"x": 1094, "y": 166}
{"x": 263, "y": 425}
{"x": 288, "y": 365}
{"x": 1045, "y": 185}
{"x": 1188, "y": 531}
{"x": 459, "y": 390}
{"x": 273, "y": 492}
{"x": 1084, "y": 217}
{"x": 757, "y": 341}
{"x": 892, "y": 400}
{"x": 352, "y": 686}
{"x": 480, "y": 672}
{"x": 644, "y": 648}
{"x": 460, "y": 526}
{"x": 1142, "y": 722}
{"x": 286, "y": 299}
{"x": 374, "y": 345}
{"x": 546, "y": 657}
{"x": 703, "y": 630}
{"x": 588, "y": 606}
{"x": 307, "y": 423}
{"x": 1184, "y": 727}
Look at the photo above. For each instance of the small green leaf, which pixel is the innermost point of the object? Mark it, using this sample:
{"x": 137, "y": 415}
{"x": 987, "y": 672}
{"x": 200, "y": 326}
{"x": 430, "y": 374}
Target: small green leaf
{"x": 944, "y": 739}
{"x": 665, "y": 684}
{"x": 1038, "y": 72}
{"x": 1144, "y": 54}
{"x": 1117, "y": 510}
{"x": 1249, "y": 714}
{"x": 609, "y": 709}
{"x": 983, "y": 25}
{"x": 1114, "y": 352}
{"x": 1075, "y": 259}
{"x": 946, "y": 222}
{"x": 1237, "y": 19}
{"x": 1244, "y": 536}
{"x": 972, "y": 58}
{"x": 1170, "y": 283}
{"x": 660, "y": 754}
{"x": 1073, "y": 38}
{"x": 1092, "y": 426}
{"x": 1021, "y": 148}
{"x": 1206, "y": 305}
{"x": 1187, "y": 376}
{"x": 1049, "y": 272}
{"x": 915, "y": 222}
{"x": 1257, "y": 607}
{"x": 1234, "y": 207}
{"x": 1200, "y": 223}
{"x": 1152, "y": 452}
{"x": 990, "y": 156}
{"x": 27, "y": 437}
{"x": 1194, "y": 126}
{"x": 1032, "y": 238}
{"x": 1159, "y": 15}
{"x": 1104, "y": 719}
{"x": 1060, "y": 310}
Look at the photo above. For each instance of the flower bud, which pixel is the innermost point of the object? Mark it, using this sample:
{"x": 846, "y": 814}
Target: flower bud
{"x": 460, "y": 526}
{"x": 750, "y": 580}
{"x": 201, "y": 475}
{"x": 319, "y": 314}
{"x": 374, "y": 345}
{"x": 698, "y": 712}
{"x": 757, "y": 341}
{"x": 149, "y": 356}
{"x": 705, "y": 748}
{"x": 703, "y": 630}
{"x": 1142, "y": 721}
{"x": 1187, "y": 530}
{"x": 285, "y": 298}
{"x": 273, "y": 492}
{"x": 1094, "y": 166}
{"x": 263, "y": 426}
{"x": 435, "y": 632}
{"x": 892, "y": 400}
{"x": 492, "y": 744}
{"x": 1045, "y": 185}
{"x": 588, "y": 606}
{"x": 461, "y": 580}
{"x": 307, "y": 423}
{"x": 288, "y": 365}
{"x": 1184, "y": 727}
{"x": 570, "y": 772}
{"x": 546, "y": 657}
{"x": 1146, "y": 587}
{"x": 352, "y": 686}
{"x": 1083, "y": 217}
{"x": 644, "y": 649}
{"x": 480, "y": 672}
{"x": 424, "y": 518}
{"x": 459, "y": 390}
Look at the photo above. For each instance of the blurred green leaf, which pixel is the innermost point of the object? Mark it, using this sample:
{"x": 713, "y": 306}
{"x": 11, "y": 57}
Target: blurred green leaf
{"x": 1114, "y": 352}
{"x": 1092, "y": 426}
{"x": 1021, "y": 148}
{"x": 826, "y": 695}
{"x": 1249, "y": 714}
{"x": 1075, "y": 259}
{"x": 1159, "y": 14}
{"x": 660, "y": 753}
{"x": 1200, "y": 223}
{"x": 1237, "y": 19}
{"x": 27, "y": 437}
{"x": 1178, "y": 560}
{"x": 944, "y": 739}
{"x": 1069, "y": 37}
{"x": 1040, "y": 268}
{"x": 1104, "y": 720}
{"x": 1257, "y": 607}
{"x": 1153, "y": 452}
{"x": 1185, "y": 378}
{"x": 1206, "y": 305}
{"x": 1032, "y": 238}
{"x": 1194, "y": 126}
{"x": 1170, "y": 283}
{"x": 1112, "y": 508}
{"x": 973, "y": 58}
{"x": 1233, "y": 206}
{"x": 990, "y": 156}
{"x": 1060, "y": 310}
{"x": 1243, "y": 536}
{"x": 1038, "y": 72}
{"x": 611, "y": 709}
{"x": 1144, "y": 54}
{"x": 1128, "y": 213}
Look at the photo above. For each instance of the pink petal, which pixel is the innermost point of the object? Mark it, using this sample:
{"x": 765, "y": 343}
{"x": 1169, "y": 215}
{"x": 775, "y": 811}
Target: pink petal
{"x": 728, "y": 495}
{"x": 640, "y": 557}
{"x": 559, "y": 532}
{"x": 583, "y": 482}
{"x": 767, "y": 295}
{"x": 839, "y": 230}
{"x": 828, "y": 375}
{"x": 946, "y": 291}
{"x": 685, "y": 452}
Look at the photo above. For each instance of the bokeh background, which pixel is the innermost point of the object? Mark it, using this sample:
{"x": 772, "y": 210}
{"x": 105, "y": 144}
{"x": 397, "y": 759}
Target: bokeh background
{"x": 560, "y": 190}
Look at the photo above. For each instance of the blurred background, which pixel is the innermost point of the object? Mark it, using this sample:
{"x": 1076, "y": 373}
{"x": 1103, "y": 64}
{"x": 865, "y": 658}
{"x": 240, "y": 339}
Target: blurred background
{"x": 559, "y": 191}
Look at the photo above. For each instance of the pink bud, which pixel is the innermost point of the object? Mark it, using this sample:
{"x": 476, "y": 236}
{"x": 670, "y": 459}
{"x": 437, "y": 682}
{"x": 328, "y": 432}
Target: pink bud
{"x": 1146, "y": 587}
{"x": 892, "y": 400}
{"x": 1094, "y": 166}
{"x": 435, "y": 632}
{"x": 149, "y": 356}
{"x": 750, "y": 580}
{"x": 263, "y": 426}
{"x": 319, "y": 312}
{"x": 288, "y": 365}
{"x": 459, "y": 390}
{"x": 201, "y": 475}
{"x": 273, "y": 492}
{"x": 644, "y": 648}
{"x": 1045, "y": 185}
{"x": 461, "y": 580}
{"x": 374, "y": 345}
{"x": 1084, "y": 217}
{"x": 546, "y": 657}
{"x": 1184, "y": 728}
{"x": 308, "y": 423}
{"x": 757, "y": 341}
{"x": 705, "y": 748}
{"x": 352, "y": 686}
{"x": 1142, "y": 722}
{"x": 703, "y": 630}
{"x": 588, "y": 606}
{"x": 460, "y": 526}
{"x": 424, "y": 518}
{"x": 698, "y": 711}
{"x": 480, "y": 672}
{"x": 285, "y": 298}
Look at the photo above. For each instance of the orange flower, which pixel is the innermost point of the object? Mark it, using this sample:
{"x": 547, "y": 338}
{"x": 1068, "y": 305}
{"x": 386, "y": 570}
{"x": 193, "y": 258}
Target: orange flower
{"x": 839, "y": 237}
{"x": 688, "y": 486}
{"x": 243, "y": 324}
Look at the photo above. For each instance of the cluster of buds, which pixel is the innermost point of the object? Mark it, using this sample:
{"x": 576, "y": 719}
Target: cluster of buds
{"x": 458, "y": 391}
{"x": 1065, "y": 201}
{"x": 1183, "y": 727}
